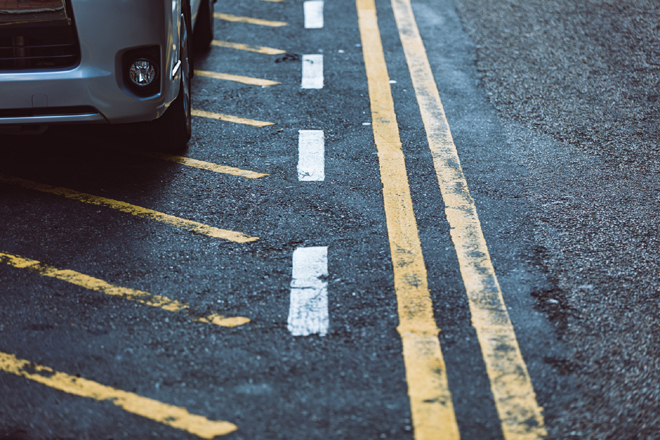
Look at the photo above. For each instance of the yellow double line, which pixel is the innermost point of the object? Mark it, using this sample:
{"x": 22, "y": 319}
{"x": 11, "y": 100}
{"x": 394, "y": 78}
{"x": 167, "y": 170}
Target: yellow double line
{"x": 431, "y": 403}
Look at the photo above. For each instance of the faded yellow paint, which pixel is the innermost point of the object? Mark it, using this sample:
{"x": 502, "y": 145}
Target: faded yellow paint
{"x": 237, "y": 78}
{"x": 230, "y": 118}
{"x": 174, "y": 416}
{"x": 249, "y": 20}
{"x": 248, "y": 47}
{"x": 138, "y": 211}
{"x": 104, "y": 287}
{"x": 511, "y": 385}
{"x": 431, "y": 404}
{"x": 224, "y": 321}
{"x": 204, "y": 165}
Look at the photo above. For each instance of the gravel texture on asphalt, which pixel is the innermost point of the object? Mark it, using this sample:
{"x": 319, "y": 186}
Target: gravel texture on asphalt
{"x": 576, "y": 84}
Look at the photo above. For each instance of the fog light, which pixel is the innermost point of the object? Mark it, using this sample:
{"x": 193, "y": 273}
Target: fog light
{"x": 142, "y": 73}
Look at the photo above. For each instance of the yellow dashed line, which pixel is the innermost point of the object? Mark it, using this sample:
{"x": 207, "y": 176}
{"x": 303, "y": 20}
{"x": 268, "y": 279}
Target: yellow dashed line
{"x": 101, "y": 286}
{"x": 511, "y": 385}
{"x": 248, "y": 47}
{"x": 230, "y": 118}
{"x": 204, "y": 165}
{"x": 237, "y": 78}
{"x": 174, "y": 416}
{"x": 138, "y": 211}
{"x": 250, "y": 20}
{"x": 431, "y": 404}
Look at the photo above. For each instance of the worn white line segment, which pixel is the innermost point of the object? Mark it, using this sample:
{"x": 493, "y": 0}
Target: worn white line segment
{"x": 311, "y": 155}
{"x": 312, "y": 72}
{"x": 308, "y": 311}
{"x": 313, "y": 14}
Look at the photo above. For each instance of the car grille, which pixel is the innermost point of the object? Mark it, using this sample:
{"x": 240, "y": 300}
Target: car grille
{"x": 52, "y": 47}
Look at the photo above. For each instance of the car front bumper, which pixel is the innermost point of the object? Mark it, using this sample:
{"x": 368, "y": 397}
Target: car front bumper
{"x": 106, "y": 29}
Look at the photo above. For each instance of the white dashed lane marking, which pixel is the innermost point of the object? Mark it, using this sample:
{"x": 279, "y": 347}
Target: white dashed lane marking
{"x": 311, "y": 152}
{"x": 312, "y": 72}
{"x": 313, "y": 14}
{"x": 308, "y": 310}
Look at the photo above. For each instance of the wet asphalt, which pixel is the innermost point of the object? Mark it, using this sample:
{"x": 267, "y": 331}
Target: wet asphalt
{"x": 576, "y": 86}
{"x": 347, "y": 384}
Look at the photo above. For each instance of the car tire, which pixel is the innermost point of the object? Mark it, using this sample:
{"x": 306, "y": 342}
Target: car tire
{"x": 172, "y": 131}
{"x": 204, "y": 26}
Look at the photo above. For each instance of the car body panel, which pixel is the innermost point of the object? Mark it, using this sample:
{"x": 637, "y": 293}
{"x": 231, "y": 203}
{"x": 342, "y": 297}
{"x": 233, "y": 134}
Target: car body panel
{"x": 106, "y": 30}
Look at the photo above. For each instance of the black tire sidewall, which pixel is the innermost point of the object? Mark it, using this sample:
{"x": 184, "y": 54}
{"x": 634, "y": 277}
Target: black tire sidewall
{"x": 204, "y": 26}
{"x": 172, "y": 131}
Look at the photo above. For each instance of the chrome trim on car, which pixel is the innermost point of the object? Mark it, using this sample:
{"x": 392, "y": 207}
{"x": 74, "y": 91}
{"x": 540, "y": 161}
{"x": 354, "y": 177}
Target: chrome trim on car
{"x": 176, "y": 68}
{"x": 53, "y": 119}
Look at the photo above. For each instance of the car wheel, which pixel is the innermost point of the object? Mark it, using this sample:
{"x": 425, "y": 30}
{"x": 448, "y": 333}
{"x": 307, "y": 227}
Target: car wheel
{"x": 172, "y": 131}
{"x": 204, "y": 26}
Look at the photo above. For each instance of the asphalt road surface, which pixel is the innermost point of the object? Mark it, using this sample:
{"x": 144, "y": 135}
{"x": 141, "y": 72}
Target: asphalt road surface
{"x": 353, "y": 246}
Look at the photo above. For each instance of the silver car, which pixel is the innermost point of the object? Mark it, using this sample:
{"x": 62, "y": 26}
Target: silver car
{"x": 101, "y": 61}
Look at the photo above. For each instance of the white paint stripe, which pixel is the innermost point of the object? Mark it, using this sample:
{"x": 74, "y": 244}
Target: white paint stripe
{"x": 313, "y": 14}
{"x": 308, "y": 311}
{"x": 312, "y": 72}
{"x": 311, "y": 155}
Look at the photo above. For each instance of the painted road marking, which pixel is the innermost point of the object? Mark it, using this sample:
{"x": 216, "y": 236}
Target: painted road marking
{"x": 222, "y": 169}
{"x": 250, "y": 20}
{"x": 237, "y": 78}
{"x": 431, "y": 404}
{"x": 101, "y": 286}
{"x": 311, "y": 155}
{"x": 312, "y": 72}
{"x": 248, "y": 47}
{"x": 313, "y": 14}
{"x": 137, "y": 211}
{"x": 230, "y": 118}
{"x": 308, "y": 310}
{"x": 174, "y": 416}
{"x": 510, "y": 382}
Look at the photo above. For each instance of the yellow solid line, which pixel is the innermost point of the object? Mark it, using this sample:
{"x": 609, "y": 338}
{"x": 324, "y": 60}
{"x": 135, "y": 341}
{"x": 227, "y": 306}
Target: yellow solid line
{"x": 101, "y": 286}
{"x": 248, "y": 47}
{"x": 431, "y": 404}
{"x": 250, "y": 20}
{"x": 170, "y": 415}
{"x": 138, "y": 211}
{"x": 511, "y": 385}
{"x": 237, "y": 78}
{"x": 230, "y": 118}
{"x": 204, "y": 165}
